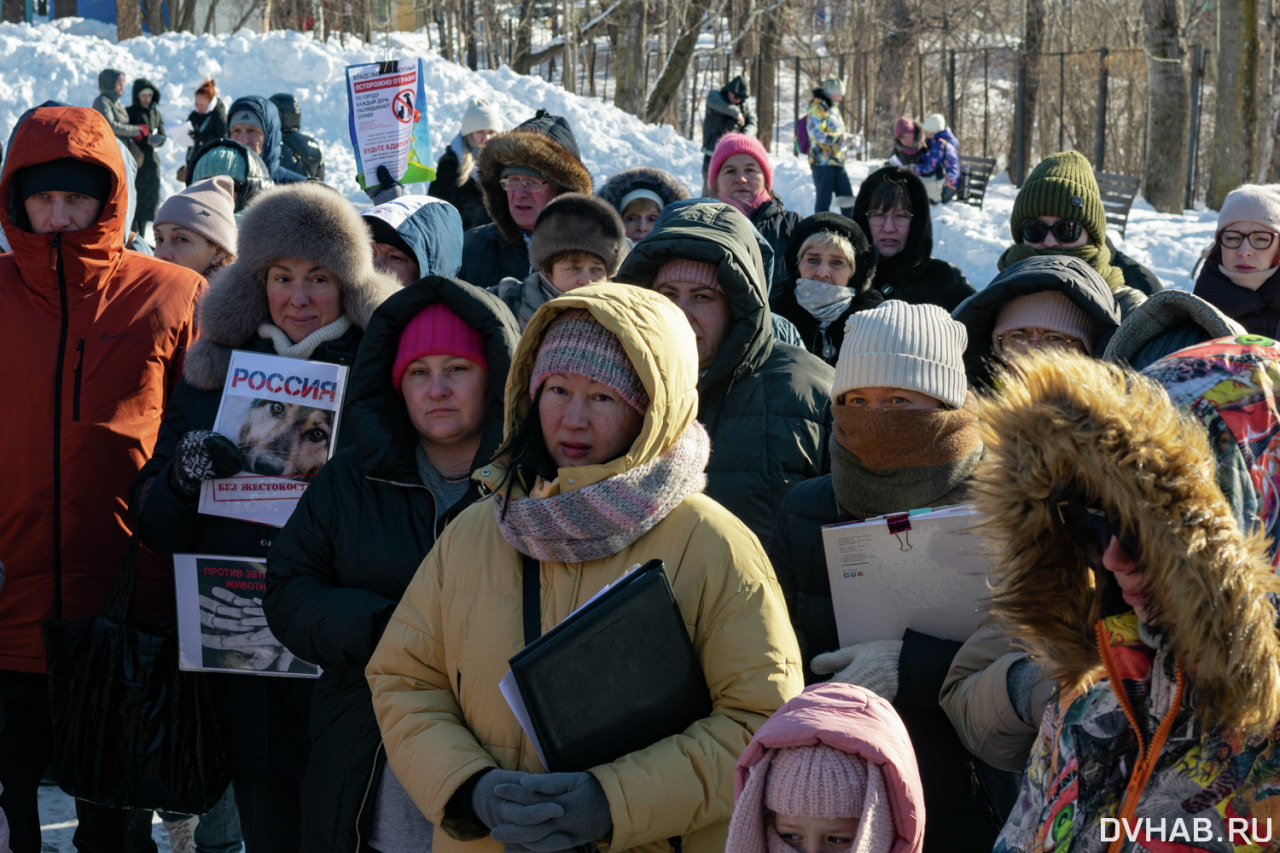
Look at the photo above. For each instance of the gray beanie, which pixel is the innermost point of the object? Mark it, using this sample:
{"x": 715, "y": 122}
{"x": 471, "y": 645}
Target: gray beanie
{"x": 1252, "y": 203}
{"x": 900, "y": 345}
{"x": 206, "y": 207}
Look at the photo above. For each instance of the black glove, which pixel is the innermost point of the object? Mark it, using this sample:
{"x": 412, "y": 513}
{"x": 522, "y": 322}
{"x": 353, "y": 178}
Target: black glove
{"x": 584, "y": 813}
{"x": 203, "y": 455}
{"x": 493, "y": 809}
{"x": 387, "y": 189}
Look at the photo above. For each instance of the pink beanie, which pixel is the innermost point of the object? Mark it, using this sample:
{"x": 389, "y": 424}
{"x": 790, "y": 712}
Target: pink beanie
{"x": 903, "y": 125}
{"x": 740, "y": 143}
{"x": 1050, "y": 310}
{"x": 436, "y": 330}
{"x": 693, "y": 272}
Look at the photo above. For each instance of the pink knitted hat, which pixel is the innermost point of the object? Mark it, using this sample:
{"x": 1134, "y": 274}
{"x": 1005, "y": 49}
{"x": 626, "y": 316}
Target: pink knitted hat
{"x": 436, "y": 330}
{"x": 576, "y": 343}
{"x": 694, "y": 272}
{"x": 816, "y": 781}
{"x": 1049, "y": 310}
{"x": 740, "y": 143}
{"x": 903, "y": 125}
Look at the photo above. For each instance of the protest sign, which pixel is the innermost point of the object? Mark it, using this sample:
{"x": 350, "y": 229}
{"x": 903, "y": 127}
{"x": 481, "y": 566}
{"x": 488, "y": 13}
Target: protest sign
{"x": 388, "y": 121}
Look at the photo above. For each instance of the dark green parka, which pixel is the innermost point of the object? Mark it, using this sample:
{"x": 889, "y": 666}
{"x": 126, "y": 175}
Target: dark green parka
{"x": 766, "y": 404}
{"x": 340, "y": 565}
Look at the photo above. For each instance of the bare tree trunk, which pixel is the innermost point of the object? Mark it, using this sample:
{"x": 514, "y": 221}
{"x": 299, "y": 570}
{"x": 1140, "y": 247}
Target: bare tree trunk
{"x": 469, "y": 34}
{"x": 677, "y": 65}
{"x": 569, "y": 76}
{"x": 770, "y": 29}
{"x": 154, "y": 16}
{"x": 1235, "y": 132}
{"x": 1032, "y": 44}
{"x": 1269, "y": 163}
{"x": 13, "y": 11}
{"x": 629, "y": 79}
{"x": 128, "y": 19}
{"x": 1168, "y": 106}
{"x": 520, "y": 62}
{"x": 896, "y": 64}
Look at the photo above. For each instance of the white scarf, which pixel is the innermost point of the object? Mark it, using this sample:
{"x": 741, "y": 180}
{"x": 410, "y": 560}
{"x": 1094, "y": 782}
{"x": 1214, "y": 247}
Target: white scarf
{"x": 824, "y": 302}
{"x": 305, "y": 347}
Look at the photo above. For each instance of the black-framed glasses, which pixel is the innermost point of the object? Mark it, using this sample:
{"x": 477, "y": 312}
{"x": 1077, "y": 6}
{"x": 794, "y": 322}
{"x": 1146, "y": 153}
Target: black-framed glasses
{"x": 529, "y": 185}
{"x": 1064, "y": 230}
{"x": 901, "y": 218}
{"x": 1094, "y": 529}
{"x": 1257, "y": 239}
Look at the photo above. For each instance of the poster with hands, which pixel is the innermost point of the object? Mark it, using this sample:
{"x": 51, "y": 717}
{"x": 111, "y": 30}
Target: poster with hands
{"x": 221, "y": 625}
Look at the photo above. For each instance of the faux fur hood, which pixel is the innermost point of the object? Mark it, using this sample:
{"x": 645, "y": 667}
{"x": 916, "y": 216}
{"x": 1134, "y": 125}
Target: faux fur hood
{"x": 308, "y": 220}
{"x": 1064, "y": 425}
{"x": 660, "y": 181}
{"x": 537, "y": 151}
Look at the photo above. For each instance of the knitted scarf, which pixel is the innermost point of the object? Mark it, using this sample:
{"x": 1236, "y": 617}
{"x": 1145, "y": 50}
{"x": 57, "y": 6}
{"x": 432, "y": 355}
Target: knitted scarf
{"x": 1098, "y": 257}
{"x": 894, "y": 460}
{"x": 824, "y": 302}
{"x": 601, "y": 519}
{"x": 305, "y": 347}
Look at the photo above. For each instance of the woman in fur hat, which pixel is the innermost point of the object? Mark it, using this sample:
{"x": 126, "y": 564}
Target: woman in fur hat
{"x": 578, "y": 240}
{"x": 639, "y": 195}
{"x": 424, "y": 404}
{"x": 601, "y": 470}
{"x": 303, "y": 286}
{"x": 1123, "y": 569}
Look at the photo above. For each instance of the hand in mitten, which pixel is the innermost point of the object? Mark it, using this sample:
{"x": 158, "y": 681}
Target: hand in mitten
{"x": 387, "y": 189}
{"x": 872, "y": 665}
{"x": 494, "y": 810}
{"x": 203, "y": 455}
{"x": 143, "y": 132}
{"x": 584, "y": 813}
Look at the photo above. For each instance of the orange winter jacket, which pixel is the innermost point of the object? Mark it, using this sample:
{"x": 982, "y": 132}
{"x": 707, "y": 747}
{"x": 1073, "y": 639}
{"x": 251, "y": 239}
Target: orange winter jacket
{"x": 93, "y": 338}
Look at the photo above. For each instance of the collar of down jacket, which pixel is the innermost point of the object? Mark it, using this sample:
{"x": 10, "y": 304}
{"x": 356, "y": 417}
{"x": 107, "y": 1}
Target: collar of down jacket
{"x": 1065, "y": 424}
{"x": 660, "y": 344}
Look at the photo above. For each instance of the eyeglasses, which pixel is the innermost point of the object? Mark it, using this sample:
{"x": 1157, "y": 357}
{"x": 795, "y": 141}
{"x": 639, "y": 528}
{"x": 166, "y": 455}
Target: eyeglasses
{"x": 1024, "y": 338}
{"x": 529, "y": 185}
{"x": 1094, "y": 529}
{"x": 1257, "y": 239}
{"x": 1064, "y": 230}
{"x": 901, "y": 218}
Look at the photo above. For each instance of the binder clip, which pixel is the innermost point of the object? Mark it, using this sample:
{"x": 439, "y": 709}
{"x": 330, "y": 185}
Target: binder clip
{"x": 900, "y": 526}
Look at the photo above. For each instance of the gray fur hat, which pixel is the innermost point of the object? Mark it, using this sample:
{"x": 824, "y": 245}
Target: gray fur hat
{"x": 666, "y": 185}
{"x": 304, "y": 220}
{"x": 576, "y": 222}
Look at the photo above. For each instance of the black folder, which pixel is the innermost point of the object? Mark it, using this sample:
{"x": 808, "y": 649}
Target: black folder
{"x": 616, "y": 676}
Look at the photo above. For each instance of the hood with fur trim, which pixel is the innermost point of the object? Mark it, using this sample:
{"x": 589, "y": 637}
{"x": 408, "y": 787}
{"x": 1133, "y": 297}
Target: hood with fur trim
{"x": 537, "y": 151}
{"x": 1065, "y": 426}
{"x": 660, "y": 181}
{"x": 307, "y": 220}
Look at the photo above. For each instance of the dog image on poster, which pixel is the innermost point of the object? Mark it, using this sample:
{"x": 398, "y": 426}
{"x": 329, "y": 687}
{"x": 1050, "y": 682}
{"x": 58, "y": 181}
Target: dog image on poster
{"x": 280, "y": 439}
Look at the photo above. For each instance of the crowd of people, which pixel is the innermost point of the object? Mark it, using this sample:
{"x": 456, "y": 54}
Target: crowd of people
{"x": 551, "y": 382}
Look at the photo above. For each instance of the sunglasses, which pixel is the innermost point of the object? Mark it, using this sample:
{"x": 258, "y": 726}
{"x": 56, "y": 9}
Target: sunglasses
{"x": 1064, "y": 230}
{"x": 1257, "y": 239}
{"x": 1094, "y": 529}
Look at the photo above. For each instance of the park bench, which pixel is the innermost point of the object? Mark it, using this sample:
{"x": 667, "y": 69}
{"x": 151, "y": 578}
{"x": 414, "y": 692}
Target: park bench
{"x": 977, "y": 174}
{"x": 1118, "y": 193}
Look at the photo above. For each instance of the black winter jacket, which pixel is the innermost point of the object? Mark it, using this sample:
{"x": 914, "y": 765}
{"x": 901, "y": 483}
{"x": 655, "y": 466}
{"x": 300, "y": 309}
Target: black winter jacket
{"x": 342, "y": 562}
{"x": 775, "y": 223}
{"x": 206, "y": 127}
{"x": 764, "y": 403}
{"x": 147, "y": 181}
{"x": 722, "y": 117}
{"x": 487, "y": 258}
{"x": 966, "y": 800}
{"x": 912, "y": 275}
{"x": 302, "y": 154}
{"x": 468, "y": 198}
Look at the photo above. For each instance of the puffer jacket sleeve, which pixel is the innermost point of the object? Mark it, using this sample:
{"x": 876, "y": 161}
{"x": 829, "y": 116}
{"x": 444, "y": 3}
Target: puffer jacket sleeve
{"x": 750, "y": 123}
{"x": 317, "y": 618}
{"x": 1026, "y": 820}
{"x": 116, "y": 116}
{"x": 975, "y": 697}
{"x": 752, "y": 664}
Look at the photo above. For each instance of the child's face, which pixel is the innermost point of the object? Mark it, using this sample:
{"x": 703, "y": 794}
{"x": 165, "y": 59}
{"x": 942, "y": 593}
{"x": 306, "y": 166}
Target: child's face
{"x": 816, "y": 834}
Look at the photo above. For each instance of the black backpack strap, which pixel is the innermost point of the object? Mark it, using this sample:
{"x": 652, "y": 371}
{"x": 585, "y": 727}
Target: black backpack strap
{"x": 532, "y": 600}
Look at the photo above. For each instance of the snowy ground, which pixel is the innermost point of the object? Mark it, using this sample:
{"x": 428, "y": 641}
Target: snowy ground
{"x": 58, "y": 823}
{"x": 61, "y": 61}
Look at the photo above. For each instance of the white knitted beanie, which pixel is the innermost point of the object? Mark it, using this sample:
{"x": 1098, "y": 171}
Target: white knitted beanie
{"x": 1252, "y": 203}
{"x": 900, "y": 345}
{"x": 935, "y": 123}
{"x": 481, "y": 115}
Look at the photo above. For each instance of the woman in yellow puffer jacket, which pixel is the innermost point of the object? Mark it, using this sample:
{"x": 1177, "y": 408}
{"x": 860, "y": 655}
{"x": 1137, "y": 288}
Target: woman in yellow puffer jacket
{"x": 601, "y": 436}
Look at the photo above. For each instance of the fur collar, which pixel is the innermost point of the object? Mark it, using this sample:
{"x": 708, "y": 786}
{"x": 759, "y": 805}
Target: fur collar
{"x": 1065, "y": 422}
{"x": 526, "y": 148}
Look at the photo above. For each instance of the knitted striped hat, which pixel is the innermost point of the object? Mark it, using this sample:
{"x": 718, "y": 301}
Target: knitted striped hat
{"x": 900, "y": 345}
{"x": 576, "y": 343}
{"x": 1062, "y": 185}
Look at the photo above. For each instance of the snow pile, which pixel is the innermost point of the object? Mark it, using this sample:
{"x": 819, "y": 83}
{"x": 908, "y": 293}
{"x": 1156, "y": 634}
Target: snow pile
{"x": 60, "y": 61}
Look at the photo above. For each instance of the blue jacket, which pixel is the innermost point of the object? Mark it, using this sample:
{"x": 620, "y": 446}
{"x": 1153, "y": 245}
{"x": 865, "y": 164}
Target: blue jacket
{"x": 269, "y": 117}
{"x": 940, "y": 154}
{"x": 431, "y": 227}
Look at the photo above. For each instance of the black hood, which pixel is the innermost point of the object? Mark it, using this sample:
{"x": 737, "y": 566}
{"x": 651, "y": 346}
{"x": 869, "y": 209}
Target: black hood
{"x": 290, "y": 112}
{"x": 143, "y": 83}
{"x": 919, "y": 245}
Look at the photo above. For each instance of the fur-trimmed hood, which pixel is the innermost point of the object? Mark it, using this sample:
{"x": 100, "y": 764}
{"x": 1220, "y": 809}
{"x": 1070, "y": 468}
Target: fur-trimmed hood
{"x": 660, "y": 181}
{"x": 1065, "y": 425}
{"x": 537, "y": 151}
{"x": 307, "y": 220}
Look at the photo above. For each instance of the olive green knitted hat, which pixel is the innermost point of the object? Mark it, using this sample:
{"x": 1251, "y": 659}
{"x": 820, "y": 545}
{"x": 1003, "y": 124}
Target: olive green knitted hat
{"x": 1062, "y": 185}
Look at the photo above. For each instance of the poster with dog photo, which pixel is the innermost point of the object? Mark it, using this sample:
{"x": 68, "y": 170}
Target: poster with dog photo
{"x": 221, "y": 625}
{"x": 283, "y": 415}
